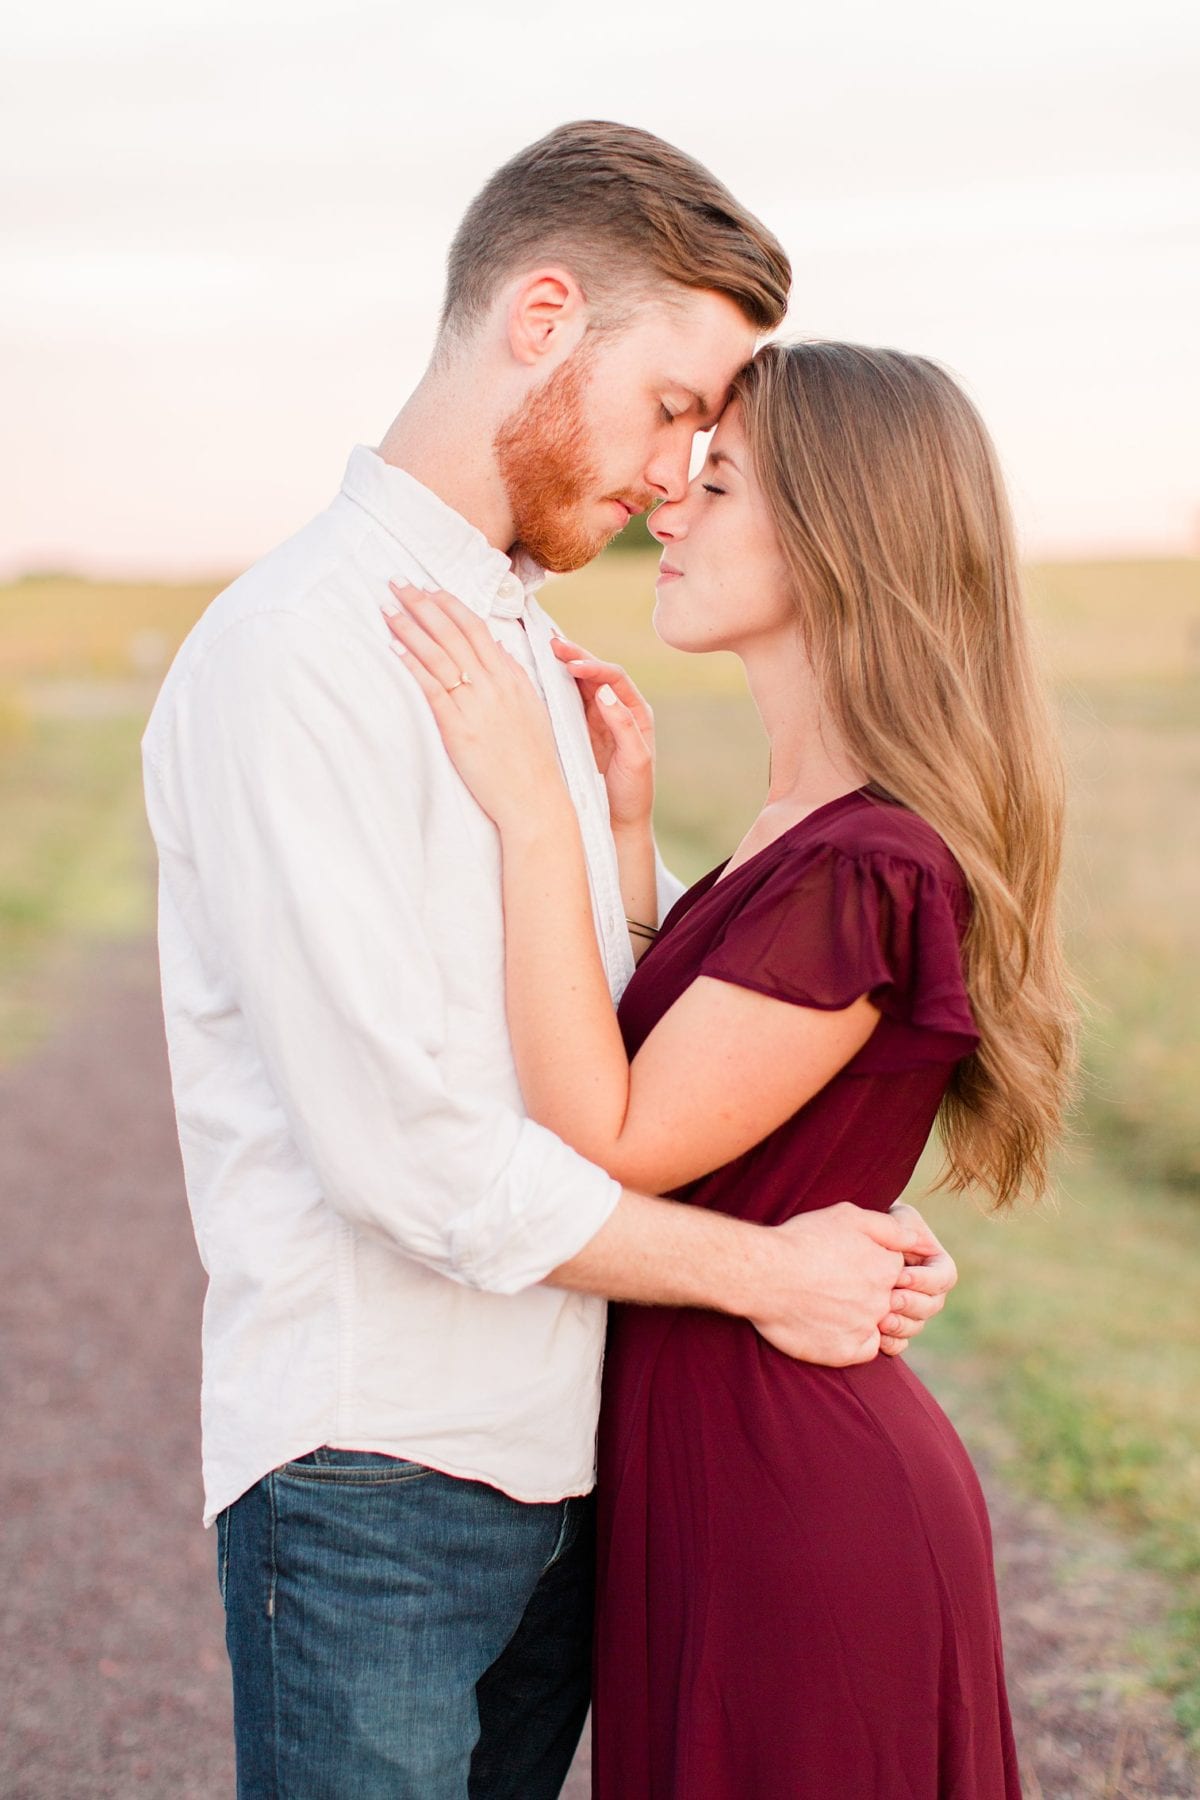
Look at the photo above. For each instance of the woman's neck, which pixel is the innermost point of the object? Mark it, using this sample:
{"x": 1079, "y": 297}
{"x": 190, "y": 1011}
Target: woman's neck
{"x": 810, "y": 764}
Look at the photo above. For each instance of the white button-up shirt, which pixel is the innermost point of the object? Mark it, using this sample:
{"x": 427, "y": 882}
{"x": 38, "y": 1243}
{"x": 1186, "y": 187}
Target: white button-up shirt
{"x": 372, "y": 1206}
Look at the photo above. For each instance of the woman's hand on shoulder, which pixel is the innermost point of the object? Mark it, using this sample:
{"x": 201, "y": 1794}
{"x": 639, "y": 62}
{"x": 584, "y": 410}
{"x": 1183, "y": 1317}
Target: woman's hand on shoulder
{"x": 621, "y": 726}
{"x": 493, "y": 722}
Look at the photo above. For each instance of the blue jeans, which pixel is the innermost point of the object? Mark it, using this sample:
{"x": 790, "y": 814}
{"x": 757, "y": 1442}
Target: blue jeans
{"x": 398, "y": 1633}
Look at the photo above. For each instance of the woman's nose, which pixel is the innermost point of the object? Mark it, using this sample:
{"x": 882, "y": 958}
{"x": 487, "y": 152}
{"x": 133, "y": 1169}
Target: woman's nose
{"x": 666, "y": 522}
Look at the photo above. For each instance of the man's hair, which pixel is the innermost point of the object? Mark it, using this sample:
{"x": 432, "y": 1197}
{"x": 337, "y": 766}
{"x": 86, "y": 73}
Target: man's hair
{"x": 622, "y": 210}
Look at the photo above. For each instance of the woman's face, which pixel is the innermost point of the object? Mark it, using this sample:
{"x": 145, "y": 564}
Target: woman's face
{"x": 723, "y": 583}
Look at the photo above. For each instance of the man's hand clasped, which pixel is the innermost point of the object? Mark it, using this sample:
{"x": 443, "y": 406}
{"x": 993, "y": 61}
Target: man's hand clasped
{"x": 849, "y": 1267}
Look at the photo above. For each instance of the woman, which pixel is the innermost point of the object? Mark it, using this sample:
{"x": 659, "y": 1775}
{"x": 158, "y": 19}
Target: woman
{"x": 879, "y": 951}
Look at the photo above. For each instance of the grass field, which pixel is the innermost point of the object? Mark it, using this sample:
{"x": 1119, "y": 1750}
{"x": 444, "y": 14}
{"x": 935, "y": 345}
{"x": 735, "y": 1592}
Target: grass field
{"x": 1081, "y": 1321}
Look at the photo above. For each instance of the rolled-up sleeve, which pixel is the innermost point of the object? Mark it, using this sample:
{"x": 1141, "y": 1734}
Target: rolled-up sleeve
{"x": 286, "y": 795}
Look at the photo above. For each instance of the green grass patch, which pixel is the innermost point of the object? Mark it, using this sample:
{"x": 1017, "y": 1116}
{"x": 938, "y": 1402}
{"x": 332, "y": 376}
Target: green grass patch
{"x": 1132, "y": 912}
{"x": 79, "y": 664}
{"x": 1080, "y": 1321}
{"x": 74, "y": 856}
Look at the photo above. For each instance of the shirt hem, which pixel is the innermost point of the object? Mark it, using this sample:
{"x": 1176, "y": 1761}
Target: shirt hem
{"x": 573, "y": 1489}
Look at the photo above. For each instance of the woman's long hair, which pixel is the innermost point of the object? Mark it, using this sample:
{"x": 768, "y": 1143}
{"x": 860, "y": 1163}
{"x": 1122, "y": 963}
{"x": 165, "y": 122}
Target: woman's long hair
{"x": 891, "y": 512}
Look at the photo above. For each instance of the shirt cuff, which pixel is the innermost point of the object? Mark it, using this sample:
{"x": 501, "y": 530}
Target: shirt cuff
{"x": 548, "y": 1203}
{"x": 670, "y": 888}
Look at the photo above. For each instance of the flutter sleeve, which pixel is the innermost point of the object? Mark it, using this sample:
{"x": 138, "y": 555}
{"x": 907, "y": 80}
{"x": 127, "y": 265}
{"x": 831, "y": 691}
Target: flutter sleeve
{"x": 826, "y": 926}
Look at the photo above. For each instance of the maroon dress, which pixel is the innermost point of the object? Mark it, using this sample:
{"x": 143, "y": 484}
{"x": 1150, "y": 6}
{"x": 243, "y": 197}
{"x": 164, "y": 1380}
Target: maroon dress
{"x": 796, "y": 1598}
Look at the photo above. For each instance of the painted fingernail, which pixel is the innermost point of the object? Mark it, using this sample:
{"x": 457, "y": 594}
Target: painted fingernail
{"x": 605, "y": 695}
{"x": 398, "y": 647}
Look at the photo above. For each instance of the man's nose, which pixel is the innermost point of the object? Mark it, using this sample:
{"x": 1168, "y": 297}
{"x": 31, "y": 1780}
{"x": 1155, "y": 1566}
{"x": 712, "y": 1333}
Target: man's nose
{"x": 668, "y": 473}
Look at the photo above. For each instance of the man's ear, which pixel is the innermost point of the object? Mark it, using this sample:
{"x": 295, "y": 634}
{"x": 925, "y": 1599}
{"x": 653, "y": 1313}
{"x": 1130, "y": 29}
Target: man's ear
{"x": 547, "y": 316}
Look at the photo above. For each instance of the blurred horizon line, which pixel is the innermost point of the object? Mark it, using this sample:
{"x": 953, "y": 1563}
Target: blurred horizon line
{"x": 100, "y": 572}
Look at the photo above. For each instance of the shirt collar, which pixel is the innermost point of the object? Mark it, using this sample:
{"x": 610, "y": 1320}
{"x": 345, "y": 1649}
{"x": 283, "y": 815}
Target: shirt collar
{"x": 453, "y": 552}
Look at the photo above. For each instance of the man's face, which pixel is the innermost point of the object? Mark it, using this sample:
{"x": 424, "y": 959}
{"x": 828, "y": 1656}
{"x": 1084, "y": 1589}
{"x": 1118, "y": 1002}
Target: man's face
{"x": 610, "y": 432}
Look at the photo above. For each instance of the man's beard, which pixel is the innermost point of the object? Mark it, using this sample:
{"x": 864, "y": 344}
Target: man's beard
{"x": 541, "y": 452}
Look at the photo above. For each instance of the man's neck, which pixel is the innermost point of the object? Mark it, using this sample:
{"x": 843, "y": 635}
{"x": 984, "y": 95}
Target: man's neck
{"x": 427, "y": 440}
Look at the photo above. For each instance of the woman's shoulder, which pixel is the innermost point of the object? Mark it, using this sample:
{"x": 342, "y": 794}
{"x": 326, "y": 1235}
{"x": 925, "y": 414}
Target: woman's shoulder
{"x": 873, "y": 827}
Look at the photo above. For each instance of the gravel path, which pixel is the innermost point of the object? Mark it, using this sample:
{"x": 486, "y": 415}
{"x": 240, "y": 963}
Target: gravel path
{"x": 112, "y": 1664}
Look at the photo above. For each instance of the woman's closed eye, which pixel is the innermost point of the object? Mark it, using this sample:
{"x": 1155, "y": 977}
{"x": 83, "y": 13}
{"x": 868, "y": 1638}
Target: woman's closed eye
{"x": 710, "y": 487}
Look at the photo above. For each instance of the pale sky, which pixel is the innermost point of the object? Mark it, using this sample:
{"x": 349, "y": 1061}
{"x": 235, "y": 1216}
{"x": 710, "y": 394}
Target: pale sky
{"x": 223, "y": 223}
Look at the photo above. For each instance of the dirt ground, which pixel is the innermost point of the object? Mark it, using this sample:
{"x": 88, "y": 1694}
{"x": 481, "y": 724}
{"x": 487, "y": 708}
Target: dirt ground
{"x": 112, "y": 1667}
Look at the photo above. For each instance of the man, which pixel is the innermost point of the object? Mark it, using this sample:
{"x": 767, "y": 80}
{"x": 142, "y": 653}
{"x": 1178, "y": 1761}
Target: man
{"x": 405, "y": 1319}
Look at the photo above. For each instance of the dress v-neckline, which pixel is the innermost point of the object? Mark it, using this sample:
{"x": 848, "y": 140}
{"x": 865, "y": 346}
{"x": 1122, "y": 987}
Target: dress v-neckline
{"x": 816, "y": 812}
